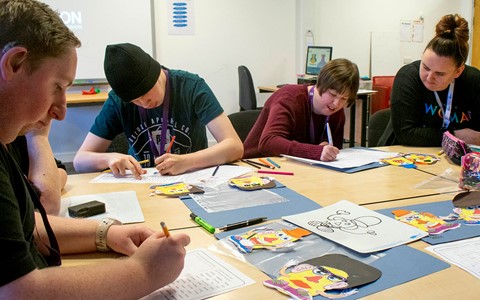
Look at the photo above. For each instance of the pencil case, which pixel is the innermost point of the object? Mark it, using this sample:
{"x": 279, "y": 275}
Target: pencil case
{"x": 454, "y": 147}
{"x": 87, "y": 209}
{"x": 470, "y": 172}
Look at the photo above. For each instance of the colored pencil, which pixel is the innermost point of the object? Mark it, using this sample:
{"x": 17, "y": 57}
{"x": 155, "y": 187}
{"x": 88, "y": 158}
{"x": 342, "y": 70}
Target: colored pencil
{"x": 267, "y": 163}
{"x": 171, "y": 144}
{"x": 250, "y": 163}
{"x": 274, "y": 172}
{"x": 273, "y": 163}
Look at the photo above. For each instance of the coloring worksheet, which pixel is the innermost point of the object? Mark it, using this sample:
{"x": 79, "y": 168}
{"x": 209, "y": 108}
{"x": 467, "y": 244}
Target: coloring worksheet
{"x": 356, "y": 227}
{"x": 204, "y": 276}
{"x": 464, "y": 253}
{"x": 223, "y": 174}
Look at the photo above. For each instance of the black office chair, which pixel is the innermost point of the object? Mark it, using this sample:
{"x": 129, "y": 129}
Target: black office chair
{"x": 376, "y": 126}
{"x": 119, "y": 144}
{"x": 247, "y": 96}
{"x": 243, "y": 122}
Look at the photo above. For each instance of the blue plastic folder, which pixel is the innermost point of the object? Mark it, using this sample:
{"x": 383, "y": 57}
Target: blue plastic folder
{"x": 398, "y": 265}
{"x": 296, "y": 204}
{"x": 442, "y": 208}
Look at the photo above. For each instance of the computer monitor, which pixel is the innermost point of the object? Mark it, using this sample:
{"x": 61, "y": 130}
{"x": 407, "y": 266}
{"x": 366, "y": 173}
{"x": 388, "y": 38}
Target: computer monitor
{"x": 317, "y": 57}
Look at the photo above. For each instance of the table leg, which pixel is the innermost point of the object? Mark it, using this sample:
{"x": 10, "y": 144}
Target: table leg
{"x": 363, "y": 137}
{"x": 352, "y": 126}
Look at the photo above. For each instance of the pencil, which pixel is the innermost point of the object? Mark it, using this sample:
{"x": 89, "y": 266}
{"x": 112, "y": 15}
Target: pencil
{"x": 250, "y": 163}
{"x": 256, "y": 163}
{"x": 165, "y": 229}
{"x": 215, "y": 171}
{"x": 267, "y": 163}
{"x": 440, "y": 152}
{"x": 273, "y": 163}
{"x": 171, "y": 144}
{"x": 274, "y": 172}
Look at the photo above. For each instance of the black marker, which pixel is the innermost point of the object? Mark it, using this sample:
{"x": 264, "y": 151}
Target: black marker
{"x": 243, "y": 224}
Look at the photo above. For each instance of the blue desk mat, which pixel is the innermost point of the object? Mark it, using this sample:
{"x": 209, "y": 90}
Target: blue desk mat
{"x": 398, "y": 265}
{"x": 296, "y": 204}
{"x": 442, "y": 208}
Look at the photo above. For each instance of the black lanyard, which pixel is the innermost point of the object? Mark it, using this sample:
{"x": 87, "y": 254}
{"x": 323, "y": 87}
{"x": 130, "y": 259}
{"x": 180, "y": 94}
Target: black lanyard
{"x": 54, "y": 258}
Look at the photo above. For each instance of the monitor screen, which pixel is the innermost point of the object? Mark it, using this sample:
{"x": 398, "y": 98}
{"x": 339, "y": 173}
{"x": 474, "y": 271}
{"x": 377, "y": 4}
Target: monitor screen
{"x": 317, "y": 57}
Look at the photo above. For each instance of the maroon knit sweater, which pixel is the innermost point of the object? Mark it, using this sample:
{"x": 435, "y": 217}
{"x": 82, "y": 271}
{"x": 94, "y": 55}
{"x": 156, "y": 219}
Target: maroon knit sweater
{"x": 283, "y": 126}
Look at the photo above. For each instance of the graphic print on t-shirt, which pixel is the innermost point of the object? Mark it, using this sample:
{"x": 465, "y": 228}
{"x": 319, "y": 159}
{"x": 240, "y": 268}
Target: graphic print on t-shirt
{"x": 140, "y": 138}
{"x": 457, "y": 116}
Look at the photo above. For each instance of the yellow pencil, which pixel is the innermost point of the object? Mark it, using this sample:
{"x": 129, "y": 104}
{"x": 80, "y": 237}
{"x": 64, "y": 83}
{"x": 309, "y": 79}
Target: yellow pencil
{"x": 165, "y": 229}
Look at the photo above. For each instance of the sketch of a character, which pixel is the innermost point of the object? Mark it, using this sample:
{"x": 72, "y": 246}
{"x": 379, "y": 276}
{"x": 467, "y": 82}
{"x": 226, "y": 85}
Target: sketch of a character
{"x": 340, "y": 221}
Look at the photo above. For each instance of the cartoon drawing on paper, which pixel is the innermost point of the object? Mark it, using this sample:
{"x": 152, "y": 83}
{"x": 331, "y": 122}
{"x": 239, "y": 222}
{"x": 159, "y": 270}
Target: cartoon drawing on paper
{"x": 340, "y": 221}
{"x": 331, "y": 276}
{"x": 466, "y": 208}
{"x": 264, "y": 238}
{"x": 356, "y": 227}
{"x": 425, "y": 221}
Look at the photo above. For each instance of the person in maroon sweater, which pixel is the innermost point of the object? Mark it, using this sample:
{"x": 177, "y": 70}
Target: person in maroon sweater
{"x": 294, "y": 119}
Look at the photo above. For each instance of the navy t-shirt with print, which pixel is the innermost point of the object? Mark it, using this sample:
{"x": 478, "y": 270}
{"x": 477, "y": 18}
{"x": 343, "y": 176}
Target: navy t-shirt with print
{"x": 192, "y": 106}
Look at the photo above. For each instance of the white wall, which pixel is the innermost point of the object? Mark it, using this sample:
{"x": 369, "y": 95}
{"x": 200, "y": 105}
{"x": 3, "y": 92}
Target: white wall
{"x": 347, "y": 26}
{"x": 229, "y": 33}
{"x": 268, "y": 36}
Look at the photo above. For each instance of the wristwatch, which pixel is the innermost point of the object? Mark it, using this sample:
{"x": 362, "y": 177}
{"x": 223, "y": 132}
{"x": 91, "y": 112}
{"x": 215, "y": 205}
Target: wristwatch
{"x": 101, "y": 236}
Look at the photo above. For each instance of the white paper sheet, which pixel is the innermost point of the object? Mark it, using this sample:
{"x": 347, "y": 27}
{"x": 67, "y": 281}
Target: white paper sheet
{"x": 122, "y": 206}
{"x": 357, "y": 227}
{"x": 223, "y": 174}
{"x": 204, "y": 276}
{"x": 464, "y": 254}
{"x": 349, "y": 158}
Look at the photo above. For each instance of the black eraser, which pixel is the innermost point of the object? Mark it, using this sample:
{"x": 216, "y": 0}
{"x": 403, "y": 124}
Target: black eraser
{"x": 86, "y": 209}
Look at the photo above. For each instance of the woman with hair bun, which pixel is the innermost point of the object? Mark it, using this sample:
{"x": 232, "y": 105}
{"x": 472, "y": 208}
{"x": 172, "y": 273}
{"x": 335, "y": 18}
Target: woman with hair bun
{"x": 437, "y": 93}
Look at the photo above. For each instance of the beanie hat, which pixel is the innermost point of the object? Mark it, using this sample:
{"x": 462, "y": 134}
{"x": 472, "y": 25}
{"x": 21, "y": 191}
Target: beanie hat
{"x": 130, "y": 71}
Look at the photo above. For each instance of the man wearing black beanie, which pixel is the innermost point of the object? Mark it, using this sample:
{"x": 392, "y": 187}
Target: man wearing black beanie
{"x": 163, "y": 113}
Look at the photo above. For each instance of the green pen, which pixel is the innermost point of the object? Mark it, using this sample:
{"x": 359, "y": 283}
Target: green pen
{"x": 202, "y": 223}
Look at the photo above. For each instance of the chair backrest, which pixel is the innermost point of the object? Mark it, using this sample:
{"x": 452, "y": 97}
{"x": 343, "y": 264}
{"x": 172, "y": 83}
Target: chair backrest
{"x": 119, "y": 144}
{"x": 243, "y": 121}
{"x": 383, "y": 86}
{"x": 383, "y": 80}
{"x": 376, "y": 126}
{"x": 247, "y": 97}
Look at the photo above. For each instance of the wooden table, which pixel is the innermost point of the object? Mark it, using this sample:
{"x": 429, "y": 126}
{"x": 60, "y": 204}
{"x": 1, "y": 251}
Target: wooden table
{"x": 384, "y": 187}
